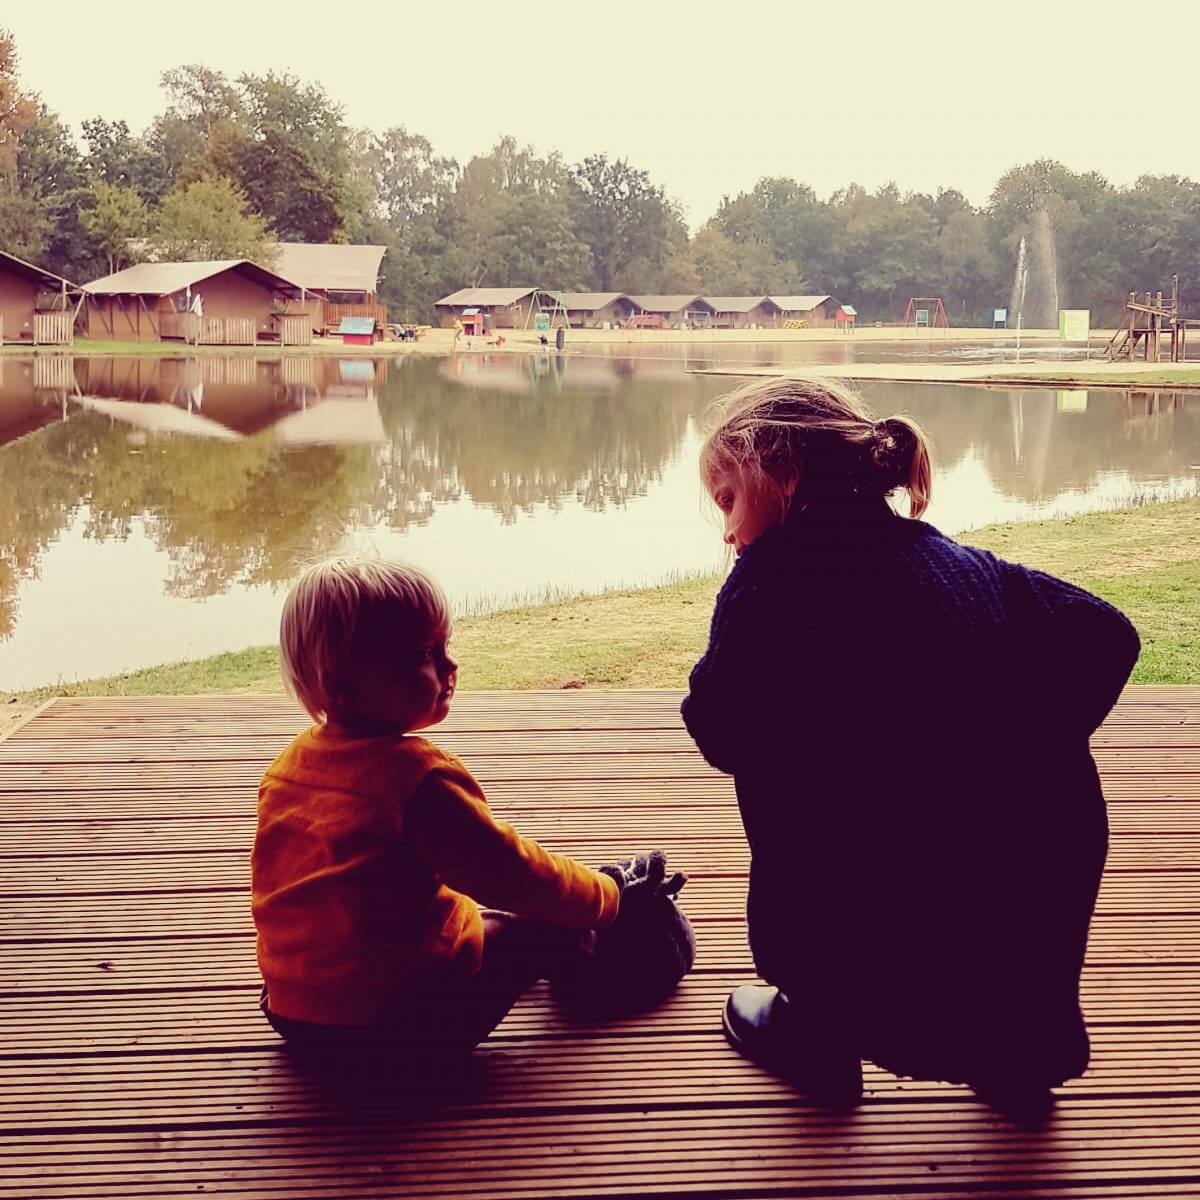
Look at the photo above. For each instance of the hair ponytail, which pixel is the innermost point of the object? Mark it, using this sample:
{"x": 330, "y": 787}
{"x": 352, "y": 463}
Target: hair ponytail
{"x": 900, "y": 457}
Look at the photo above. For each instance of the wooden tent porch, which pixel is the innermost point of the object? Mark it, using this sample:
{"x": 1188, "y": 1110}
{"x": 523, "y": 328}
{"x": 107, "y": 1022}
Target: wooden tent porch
{"x": 137, "y": 1065}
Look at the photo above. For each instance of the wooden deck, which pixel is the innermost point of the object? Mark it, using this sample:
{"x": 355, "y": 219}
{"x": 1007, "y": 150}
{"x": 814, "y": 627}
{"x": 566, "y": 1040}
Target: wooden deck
{"x": 137, "y": 1065}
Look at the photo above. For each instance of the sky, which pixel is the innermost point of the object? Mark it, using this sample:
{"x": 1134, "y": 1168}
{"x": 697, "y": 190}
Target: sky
{"x": 708, "y": 97}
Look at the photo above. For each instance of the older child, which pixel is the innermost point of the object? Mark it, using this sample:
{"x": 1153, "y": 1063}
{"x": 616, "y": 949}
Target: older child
{"x": 375, "y": 848}
{"x": 907, "y": 722}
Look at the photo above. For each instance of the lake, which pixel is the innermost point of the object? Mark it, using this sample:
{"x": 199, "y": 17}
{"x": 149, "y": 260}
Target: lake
{"x": 155, "y": 509}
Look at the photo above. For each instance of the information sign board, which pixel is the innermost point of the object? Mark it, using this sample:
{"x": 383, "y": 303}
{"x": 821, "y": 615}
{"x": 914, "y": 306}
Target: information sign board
{"x": 1074, "y": 324}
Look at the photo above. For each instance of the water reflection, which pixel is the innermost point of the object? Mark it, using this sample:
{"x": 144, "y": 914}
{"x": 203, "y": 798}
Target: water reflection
{"x": 174, "y": 496}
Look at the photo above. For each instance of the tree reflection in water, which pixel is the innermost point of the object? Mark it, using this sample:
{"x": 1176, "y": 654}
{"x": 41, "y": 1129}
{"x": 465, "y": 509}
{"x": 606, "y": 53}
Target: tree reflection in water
{"x": 313, "y": 448}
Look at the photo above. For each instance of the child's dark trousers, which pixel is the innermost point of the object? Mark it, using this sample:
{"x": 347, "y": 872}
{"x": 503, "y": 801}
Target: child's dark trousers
{"x": 450, "y": 1018}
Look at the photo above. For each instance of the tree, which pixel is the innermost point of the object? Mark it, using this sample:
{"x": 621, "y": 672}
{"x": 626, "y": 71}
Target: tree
{"x": 23, "y": 227}
{"x": 116, "y": 157}
{"x": 726, "y": 267}
{"x": 18, "y": 109}
{"x": 301, "y": 112}
{"x": 281, "y": 182}
{"x": 627, "y": 222}
{"x": 200, "y": 97}
{"x": 116, "y": 217}
{"x": 888, "y": 248}
{"x": 513, "y": 221}
{"x": 970, "y": 279}
{"x": 1052, "y": 208}
{"x": 413, "y": 185}
{"x": 207, "y": 220}
{"x": 52, "y": 191}
{"x": 802, "y": 232}
{"x": 202, "y": 106}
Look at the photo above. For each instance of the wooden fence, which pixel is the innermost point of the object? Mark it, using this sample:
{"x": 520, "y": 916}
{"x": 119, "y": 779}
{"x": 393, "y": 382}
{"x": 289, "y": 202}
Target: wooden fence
{"x": 54, "y": 372}
{"x": 297, "y": 372}
{"x": 183, "y": 325}
{"x": 295, "y": 330}
{"x": 208, "y": 331}
{"x": 233, "y": 368}
{"x": 335, "y": 312}
{"x": 53, "y": 328}
{"x": 228, "y": 331}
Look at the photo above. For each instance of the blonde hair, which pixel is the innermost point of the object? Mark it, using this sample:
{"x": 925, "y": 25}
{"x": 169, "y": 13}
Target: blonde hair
{"x": 820, "y": 432}
{"x": 335, "y": 613}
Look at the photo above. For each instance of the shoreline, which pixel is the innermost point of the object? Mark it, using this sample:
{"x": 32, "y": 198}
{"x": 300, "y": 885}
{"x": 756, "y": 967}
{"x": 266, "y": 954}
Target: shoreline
{"x": 526, "y": 341}
{"x": 1144, "y": 559}
{"x": 596, "y": 343}
{"x": 1184, "y": 376}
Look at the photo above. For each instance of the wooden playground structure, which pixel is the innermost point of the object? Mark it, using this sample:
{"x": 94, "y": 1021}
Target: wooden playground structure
{"x": 1148, "y": 317}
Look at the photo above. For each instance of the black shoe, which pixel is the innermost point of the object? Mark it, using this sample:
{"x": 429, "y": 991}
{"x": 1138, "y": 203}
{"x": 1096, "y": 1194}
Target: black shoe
{"x": 760, "y": 1024}
{"x": 1027, "y": 1105}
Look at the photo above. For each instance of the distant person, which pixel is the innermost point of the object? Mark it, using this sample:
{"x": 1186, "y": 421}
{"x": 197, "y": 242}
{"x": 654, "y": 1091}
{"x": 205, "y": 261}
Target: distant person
{"x": 906, "y": 720}
{"x": 375, "y": 849}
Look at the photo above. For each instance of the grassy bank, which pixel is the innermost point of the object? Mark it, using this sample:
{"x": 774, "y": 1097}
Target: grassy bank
{"x": 1180, "y": 376}
{"x": 88, "y": 347}
{"x": 1097, "y": 373}
{"x": 1146, "y": 560}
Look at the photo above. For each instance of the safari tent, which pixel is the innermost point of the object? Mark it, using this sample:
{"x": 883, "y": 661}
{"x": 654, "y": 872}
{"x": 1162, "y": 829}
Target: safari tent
{"x": 224, "y": 303}
{"x": 345, "y": 278}
{"x": 678, "y": 312}
{"x": 502, "y": 308}
{"x": 815, "y": 311}
{"x": 597, "y": 310}
{"x": 33, "y": 393}
{"x": 743, "y": 312}
{"x": 36, "y": 306}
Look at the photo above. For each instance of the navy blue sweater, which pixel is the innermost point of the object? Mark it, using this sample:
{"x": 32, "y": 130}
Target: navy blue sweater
{"x": 907, "y": 722}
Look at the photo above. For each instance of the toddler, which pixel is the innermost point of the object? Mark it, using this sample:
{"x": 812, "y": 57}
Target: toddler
{"x": 375, "y": 848}
{"x": 906, "y": 720}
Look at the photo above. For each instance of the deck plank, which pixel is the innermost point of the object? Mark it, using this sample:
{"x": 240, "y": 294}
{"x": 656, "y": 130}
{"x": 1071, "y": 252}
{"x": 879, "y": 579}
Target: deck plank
{"x": 135, "y": 1063}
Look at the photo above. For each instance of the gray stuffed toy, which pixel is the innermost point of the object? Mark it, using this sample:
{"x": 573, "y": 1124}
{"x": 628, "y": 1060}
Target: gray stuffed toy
{"x": 636, "y": 962}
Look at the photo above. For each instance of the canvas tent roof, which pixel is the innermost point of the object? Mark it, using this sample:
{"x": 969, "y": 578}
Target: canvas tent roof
{"x": 799, "y": 303}
{"x": 736, "y": 303}
{"x": 329, "y": 267}
{"x": 667, "y": 304}
{"x": 166, "y": 278}
{"x": 485, "y": 297}
{"x": 590, "y": 301}
{"x": 18, "y": 266}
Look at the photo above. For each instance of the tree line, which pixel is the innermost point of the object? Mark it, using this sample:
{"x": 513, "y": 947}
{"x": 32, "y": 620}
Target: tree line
{"x": 230, "y": 165}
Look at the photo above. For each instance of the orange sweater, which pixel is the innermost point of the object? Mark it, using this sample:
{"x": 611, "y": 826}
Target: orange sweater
{"x": 369, "y": 858}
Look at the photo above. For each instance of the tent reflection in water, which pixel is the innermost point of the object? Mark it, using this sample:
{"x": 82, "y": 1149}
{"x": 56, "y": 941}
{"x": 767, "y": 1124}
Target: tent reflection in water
{"x": 160, "y": 418}
{"x": 344, "y": 416}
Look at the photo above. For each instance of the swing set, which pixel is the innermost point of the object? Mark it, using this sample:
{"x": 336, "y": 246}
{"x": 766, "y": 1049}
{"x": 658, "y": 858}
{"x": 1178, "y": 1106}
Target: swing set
{"x": 924, "y": 312}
